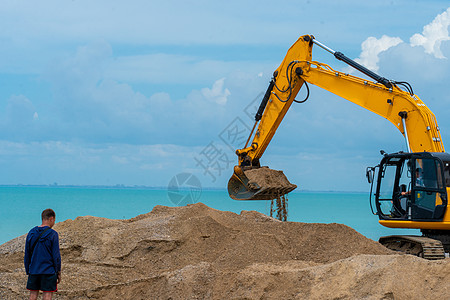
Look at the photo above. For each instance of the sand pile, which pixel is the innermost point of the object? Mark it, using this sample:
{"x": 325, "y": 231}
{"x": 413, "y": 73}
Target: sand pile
{"x": 266, "y": 177}
{"x": 196, "y": 252}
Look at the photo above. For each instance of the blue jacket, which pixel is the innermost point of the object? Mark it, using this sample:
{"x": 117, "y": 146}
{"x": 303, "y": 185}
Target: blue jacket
{"x": 45, "y": 258}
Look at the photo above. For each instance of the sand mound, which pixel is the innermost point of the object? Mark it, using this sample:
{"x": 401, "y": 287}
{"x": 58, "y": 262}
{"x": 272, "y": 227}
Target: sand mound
{"x": 196, "y": 252}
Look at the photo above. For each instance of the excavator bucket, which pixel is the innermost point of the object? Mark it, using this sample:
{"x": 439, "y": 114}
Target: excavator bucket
{"x": 258, "y": 184}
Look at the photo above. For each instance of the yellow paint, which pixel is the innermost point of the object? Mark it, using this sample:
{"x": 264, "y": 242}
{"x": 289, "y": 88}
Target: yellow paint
{"x": 421, "y": 124}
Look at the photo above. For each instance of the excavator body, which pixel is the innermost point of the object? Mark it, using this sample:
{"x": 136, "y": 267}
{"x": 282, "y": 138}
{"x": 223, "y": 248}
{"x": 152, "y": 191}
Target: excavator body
{"x": 400, "y": 201}
{"x": 411, "y": 191}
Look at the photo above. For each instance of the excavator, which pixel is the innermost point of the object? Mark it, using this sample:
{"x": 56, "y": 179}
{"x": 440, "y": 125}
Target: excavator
{"x": 409, "y": 189}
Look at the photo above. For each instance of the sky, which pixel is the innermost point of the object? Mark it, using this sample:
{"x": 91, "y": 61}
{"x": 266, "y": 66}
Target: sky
{"x": 137, "y": 92}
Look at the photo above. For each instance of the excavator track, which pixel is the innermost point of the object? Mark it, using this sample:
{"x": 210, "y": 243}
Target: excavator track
{"x": 416, "y": 245}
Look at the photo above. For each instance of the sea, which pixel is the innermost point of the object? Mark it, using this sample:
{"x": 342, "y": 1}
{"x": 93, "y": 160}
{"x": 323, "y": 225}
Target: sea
{"x": 21, "y": 206}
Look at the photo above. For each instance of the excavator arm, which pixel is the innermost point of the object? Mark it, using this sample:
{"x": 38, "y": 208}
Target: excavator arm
{"x": 407, "y": 112}
{"x": 402, "y": 108}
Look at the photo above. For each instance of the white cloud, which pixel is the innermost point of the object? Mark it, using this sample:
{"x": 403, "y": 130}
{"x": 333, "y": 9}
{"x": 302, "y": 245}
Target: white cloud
{"x": 163, "y": 68}
{"x": 84, "y": 164}
{"x": 93, "y": 108}
{"x": 19, "y": 120}
{"x": 217, "y": 93}
{"x": 431, "y": 39}
{"x": 145, "y": 22}
{"x": 84, "y": 67}
{"x": 20, "y": 110}
{"x": 372, "y": 47}
{"x": 433, "y": 35}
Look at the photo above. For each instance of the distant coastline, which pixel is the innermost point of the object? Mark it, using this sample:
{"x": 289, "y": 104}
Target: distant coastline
{"x": 146, "y": 187}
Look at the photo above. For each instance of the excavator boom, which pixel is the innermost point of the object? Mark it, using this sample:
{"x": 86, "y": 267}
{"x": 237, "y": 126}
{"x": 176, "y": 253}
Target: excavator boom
{"x": 382, "y": 97}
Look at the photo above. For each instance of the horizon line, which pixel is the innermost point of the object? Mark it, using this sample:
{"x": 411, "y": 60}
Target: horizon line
{"x": 136, "y": 186}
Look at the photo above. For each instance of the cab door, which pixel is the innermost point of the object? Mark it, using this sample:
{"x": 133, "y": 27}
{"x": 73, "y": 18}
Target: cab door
{"x": 388, "y": 189}
{"x": 428, "y": 190}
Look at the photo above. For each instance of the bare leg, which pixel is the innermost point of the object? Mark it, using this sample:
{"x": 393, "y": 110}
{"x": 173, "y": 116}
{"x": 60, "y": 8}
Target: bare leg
{"x": 34, "y": 295}
{"x": 47, "y": 296}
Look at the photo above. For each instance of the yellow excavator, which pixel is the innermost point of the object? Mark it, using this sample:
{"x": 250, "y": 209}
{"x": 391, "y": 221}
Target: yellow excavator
{"x": 408, "y": 189}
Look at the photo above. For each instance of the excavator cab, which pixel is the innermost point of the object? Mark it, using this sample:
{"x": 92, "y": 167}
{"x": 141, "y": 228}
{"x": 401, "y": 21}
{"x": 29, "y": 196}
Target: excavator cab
{"x": 411, "y": 186}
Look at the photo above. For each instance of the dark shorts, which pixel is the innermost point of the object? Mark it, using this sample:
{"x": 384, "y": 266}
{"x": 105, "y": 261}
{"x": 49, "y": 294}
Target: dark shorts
{"x": 42, "y": 282}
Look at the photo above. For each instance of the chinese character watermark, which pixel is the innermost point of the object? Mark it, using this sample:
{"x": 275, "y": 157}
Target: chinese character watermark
{"x": 218, "y": 156}
{"x": 213, "y": 160}
{"x": 184, "y": 189}
{"x": 235, "y": 134}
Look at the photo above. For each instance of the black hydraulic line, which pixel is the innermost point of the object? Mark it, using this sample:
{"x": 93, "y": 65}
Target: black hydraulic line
{"x": 354, "y": 64}
{"x": 263, "y": 104}
{"x": 289, "y": 79}
{"x": 406, "y": 85}
{"x": 251, "y": 133}
{"x": 307, "y": 94}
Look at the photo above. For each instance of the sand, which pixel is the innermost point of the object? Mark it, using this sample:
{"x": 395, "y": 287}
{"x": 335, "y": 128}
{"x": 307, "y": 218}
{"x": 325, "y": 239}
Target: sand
{"x": 266, "y": 177}
{"x": 196, "y": 252}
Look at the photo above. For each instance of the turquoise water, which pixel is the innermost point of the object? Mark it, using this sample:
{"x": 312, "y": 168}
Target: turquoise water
{"x": 21, "y": 207}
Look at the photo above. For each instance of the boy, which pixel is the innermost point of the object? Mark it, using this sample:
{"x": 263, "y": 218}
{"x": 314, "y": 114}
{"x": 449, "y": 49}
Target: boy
{"x": 42, "y": 258}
